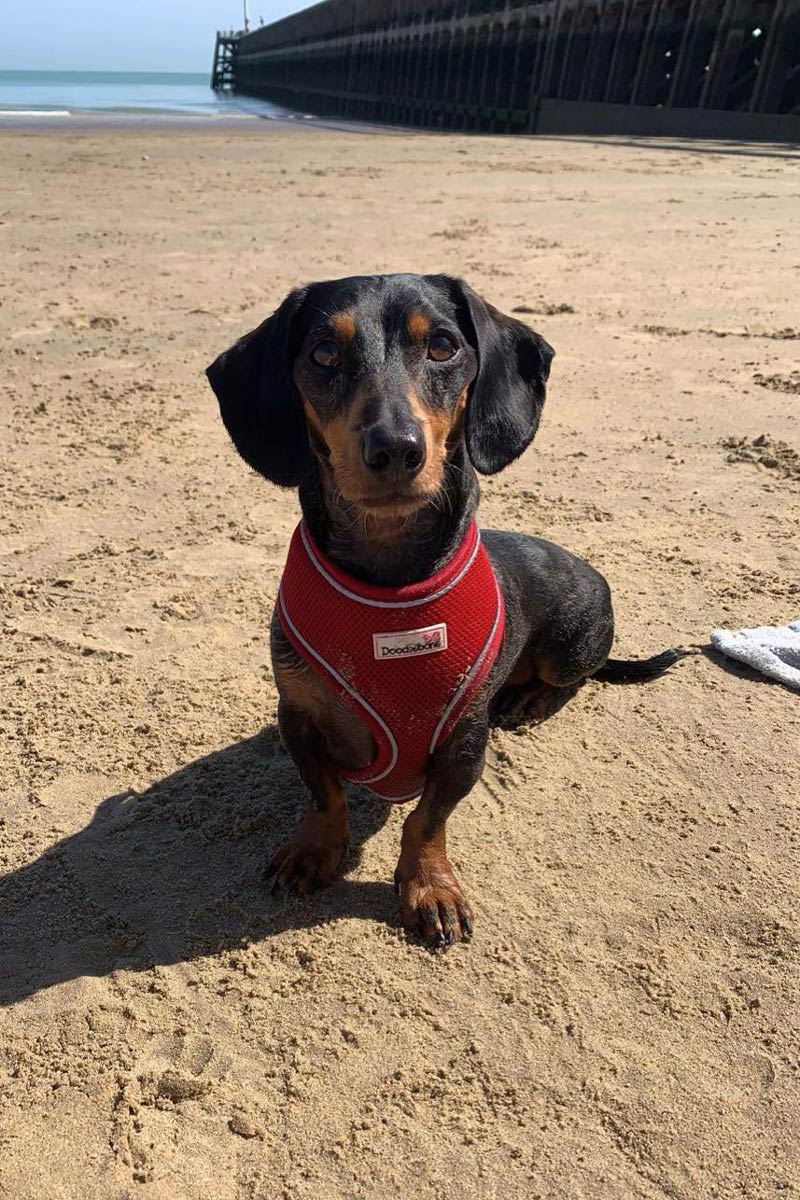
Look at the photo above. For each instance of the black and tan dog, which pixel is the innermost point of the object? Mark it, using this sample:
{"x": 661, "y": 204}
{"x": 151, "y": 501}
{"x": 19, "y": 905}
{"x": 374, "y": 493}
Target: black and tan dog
{"x": 380, "y": 397}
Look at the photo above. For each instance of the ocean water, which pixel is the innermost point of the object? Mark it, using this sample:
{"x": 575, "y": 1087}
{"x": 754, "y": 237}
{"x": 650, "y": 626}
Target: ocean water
{"x": 53, "y": 92}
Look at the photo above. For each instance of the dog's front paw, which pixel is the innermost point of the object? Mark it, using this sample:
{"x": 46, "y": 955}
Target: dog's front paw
{"x": 310, "y": 859}
{"x": 433, "y": 904}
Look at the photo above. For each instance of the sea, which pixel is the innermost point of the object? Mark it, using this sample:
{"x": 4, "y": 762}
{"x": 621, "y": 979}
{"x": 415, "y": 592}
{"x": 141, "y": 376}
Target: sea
{"x": 68, "y": 93}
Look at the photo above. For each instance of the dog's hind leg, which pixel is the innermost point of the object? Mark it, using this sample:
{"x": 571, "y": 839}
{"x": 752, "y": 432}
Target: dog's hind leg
{"x": 562, "y": 652}
{"x": 528, "y": 703}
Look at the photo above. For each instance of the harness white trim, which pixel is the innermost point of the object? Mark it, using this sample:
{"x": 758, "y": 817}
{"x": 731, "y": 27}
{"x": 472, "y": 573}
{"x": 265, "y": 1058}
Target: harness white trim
{"x": 388, "y": 603}
{"x": 470, "y": 674}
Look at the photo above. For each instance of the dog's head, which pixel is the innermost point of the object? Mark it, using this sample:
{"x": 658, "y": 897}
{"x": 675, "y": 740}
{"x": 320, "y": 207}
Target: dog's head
{"x": 382, "y": 378}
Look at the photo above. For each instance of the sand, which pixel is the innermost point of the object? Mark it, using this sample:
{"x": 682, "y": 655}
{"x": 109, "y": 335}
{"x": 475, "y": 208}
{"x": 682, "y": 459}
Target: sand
{"x": 626, "y": 1022}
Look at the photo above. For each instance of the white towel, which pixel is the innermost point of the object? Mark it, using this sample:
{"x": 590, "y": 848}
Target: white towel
{"x": 773, "y": 650}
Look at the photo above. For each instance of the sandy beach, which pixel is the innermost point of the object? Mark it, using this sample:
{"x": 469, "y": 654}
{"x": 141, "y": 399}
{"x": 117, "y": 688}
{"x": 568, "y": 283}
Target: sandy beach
{"x": 626, "y": 1023}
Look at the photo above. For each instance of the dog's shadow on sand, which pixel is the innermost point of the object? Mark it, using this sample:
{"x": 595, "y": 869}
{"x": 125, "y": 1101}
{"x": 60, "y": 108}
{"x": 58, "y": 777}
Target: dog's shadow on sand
{"x": 174, "y": 873}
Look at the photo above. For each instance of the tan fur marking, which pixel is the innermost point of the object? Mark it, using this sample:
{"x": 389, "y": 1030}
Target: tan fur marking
{"x": 311, "y": 414}
{"x": 439, "y": 428}
{"x": 340, "y": 442}
{"x": 458, "y": 411}
{"x": 419, "y": 326}
{"x": 339, "y": 434}
{"x": 427, "y": 882}
{"x": 343, "y": 323}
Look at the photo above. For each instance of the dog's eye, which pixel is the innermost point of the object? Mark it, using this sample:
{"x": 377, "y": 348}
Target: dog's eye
{"x": 326, "y": 354}
{"x": 441, "y": 347}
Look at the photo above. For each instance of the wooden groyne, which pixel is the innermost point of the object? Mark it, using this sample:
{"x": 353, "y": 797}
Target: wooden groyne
{"x": 682, "y": 67}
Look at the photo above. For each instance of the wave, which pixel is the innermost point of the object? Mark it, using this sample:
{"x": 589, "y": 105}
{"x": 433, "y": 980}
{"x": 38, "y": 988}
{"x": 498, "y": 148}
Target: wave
{"x": 35, "y": 112}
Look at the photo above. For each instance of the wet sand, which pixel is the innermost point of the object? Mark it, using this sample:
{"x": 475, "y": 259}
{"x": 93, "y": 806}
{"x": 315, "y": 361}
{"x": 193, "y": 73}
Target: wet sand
{"x": 625, "y": 1023}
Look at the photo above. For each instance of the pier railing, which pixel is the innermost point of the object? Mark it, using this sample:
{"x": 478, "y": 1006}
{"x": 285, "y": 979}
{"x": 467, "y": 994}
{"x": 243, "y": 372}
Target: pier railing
{"x": 711, "y": 67}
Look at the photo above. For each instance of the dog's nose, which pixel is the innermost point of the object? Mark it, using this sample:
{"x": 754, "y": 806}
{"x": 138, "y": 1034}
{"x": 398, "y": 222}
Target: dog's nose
{"x": 400, "y": 449}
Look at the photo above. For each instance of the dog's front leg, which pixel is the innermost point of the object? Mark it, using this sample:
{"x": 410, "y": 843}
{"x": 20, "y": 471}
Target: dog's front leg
{"x": 432, "y": 901}
{"x": 312, "y": 856}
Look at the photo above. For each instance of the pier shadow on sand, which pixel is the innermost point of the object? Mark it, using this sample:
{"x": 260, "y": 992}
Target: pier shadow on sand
{"x": 173, "y": 873}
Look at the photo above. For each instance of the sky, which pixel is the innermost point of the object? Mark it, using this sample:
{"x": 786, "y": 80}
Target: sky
{"x": 122, "y": 35}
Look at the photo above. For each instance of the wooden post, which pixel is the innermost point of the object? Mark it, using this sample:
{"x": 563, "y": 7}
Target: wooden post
{"x": 646, "y": 52}
{"x": 766, "y": 93}
{"x": 214, "y": 66}
{"x": 685, "y": 56}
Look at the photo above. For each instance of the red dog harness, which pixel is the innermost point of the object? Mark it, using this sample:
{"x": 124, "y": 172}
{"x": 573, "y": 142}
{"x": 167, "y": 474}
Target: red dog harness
{"x": 407, "y": 660}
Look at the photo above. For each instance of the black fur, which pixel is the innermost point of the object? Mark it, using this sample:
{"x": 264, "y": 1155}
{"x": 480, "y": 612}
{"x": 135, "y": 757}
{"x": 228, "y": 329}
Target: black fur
{"x": 507, "y": 395}
{"x": 258, "y": 399}
{"x": 638, "y": 670}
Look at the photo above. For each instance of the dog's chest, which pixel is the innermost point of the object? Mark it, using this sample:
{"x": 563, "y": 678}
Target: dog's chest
{"x": 406, "y": 660}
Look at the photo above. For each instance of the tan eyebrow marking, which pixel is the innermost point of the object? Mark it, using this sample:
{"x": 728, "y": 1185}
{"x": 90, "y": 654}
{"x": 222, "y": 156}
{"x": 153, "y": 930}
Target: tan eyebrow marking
{"x": 418, "y": 325}
{"x": 344, "y": 324}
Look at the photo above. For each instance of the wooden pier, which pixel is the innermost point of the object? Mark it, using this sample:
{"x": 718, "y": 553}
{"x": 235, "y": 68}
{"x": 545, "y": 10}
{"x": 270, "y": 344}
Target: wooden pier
{"x": 222, "y": 70}
{"x": 681, "y": 67}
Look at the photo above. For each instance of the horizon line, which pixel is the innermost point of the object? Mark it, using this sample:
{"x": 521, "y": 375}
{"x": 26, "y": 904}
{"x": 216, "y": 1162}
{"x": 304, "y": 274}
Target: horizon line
{"x": 105, "y": 70}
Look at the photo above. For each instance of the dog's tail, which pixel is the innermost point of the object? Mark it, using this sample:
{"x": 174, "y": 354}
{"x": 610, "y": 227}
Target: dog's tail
{"x": 638, "y": 670}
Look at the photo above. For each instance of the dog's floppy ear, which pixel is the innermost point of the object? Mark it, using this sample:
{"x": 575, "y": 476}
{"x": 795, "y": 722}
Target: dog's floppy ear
{"x": 507, "y": 394}
{"x": 258, "y": 399}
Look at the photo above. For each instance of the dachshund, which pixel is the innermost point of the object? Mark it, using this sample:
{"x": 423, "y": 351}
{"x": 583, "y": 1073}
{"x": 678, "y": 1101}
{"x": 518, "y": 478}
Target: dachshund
{"x": 379, "y": 398}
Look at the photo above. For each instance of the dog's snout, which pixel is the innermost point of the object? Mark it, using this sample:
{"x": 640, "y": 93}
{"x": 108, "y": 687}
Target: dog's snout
{"x": 399, "y": 450}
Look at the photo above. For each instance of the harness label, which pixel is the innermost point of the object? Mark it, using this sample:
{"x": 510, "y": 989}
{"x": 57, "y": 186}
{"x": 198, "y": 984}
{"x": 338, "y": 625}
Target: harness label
{"x": 410, "y": 642}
